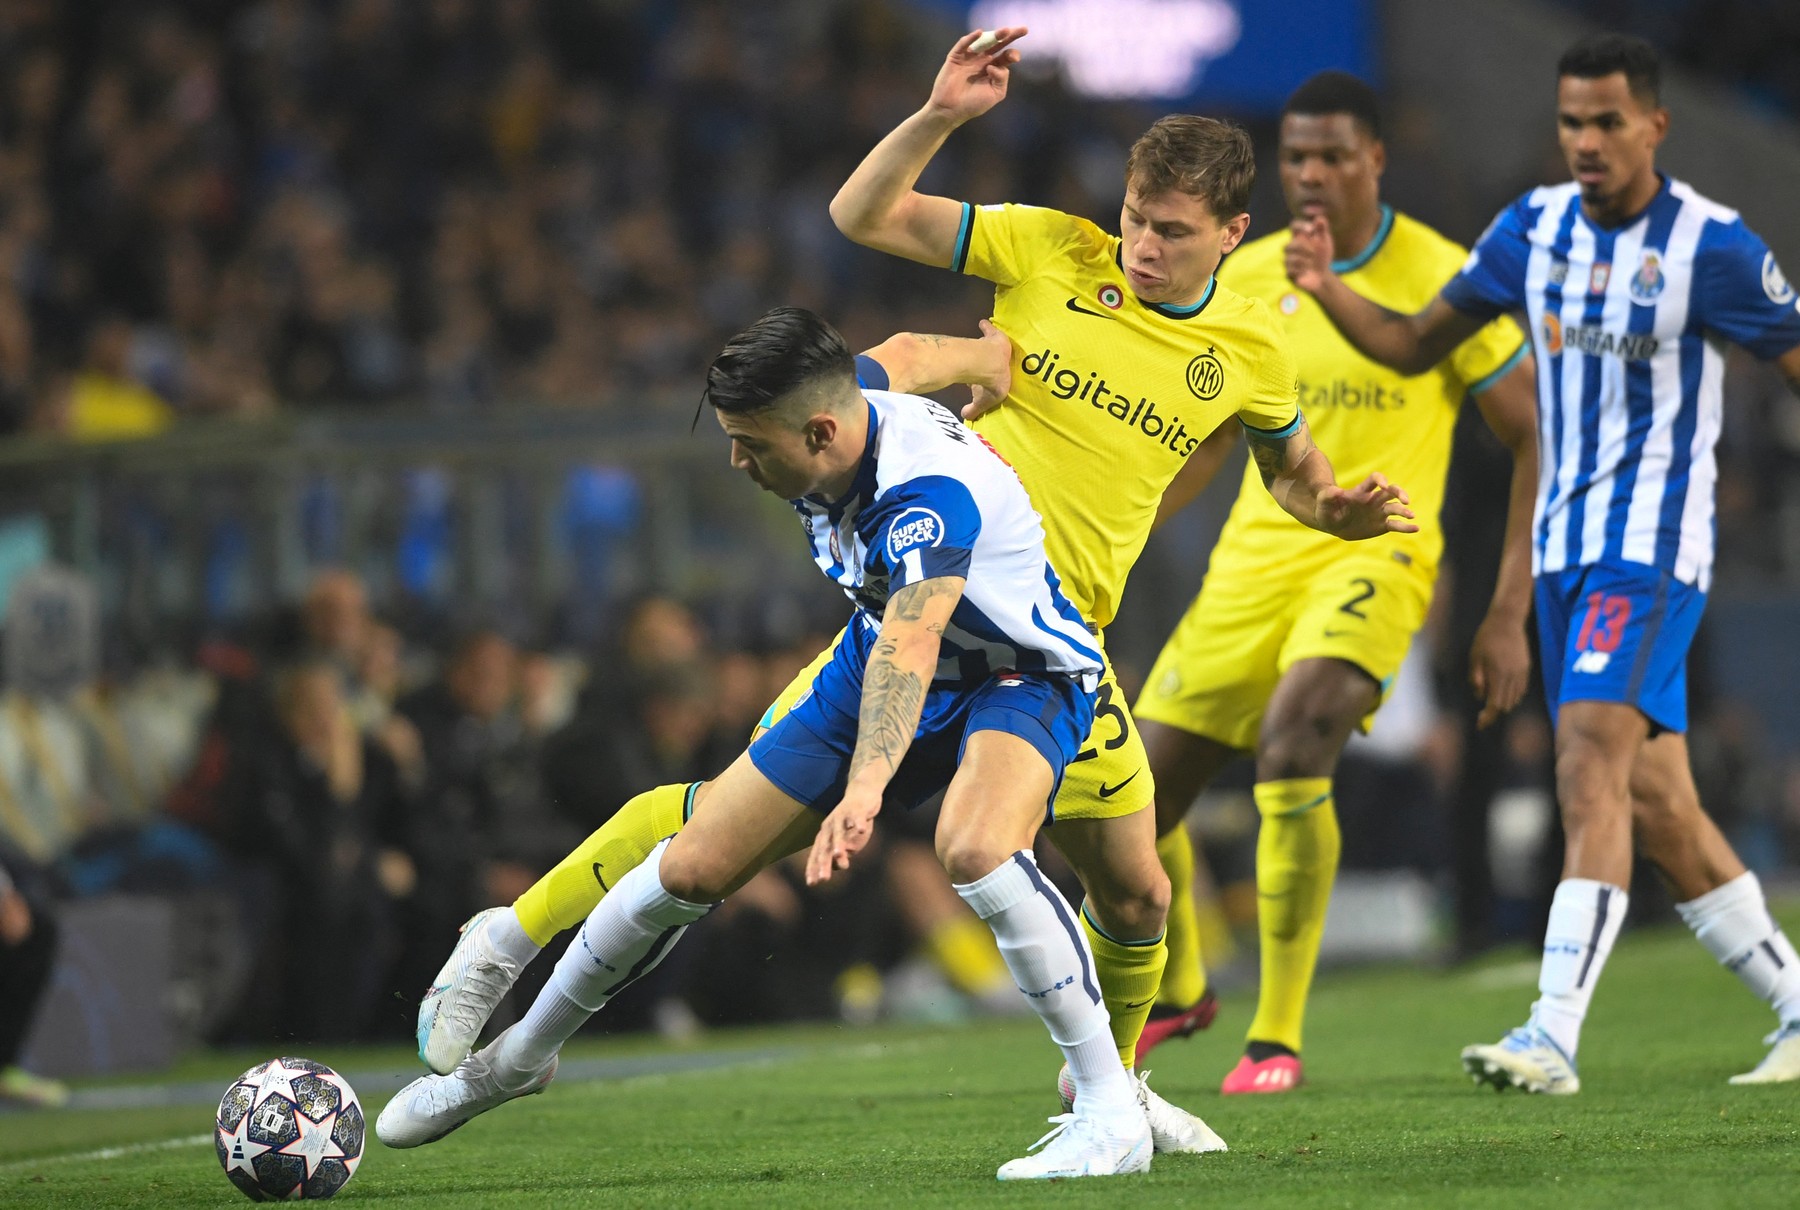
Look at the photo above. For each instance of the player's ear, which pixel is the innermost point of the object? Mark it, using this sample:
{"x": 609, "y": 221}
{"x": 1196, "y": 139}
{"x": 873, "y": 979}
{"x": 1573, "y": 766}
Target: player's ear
{"x": 1232, "y": 233}
{"x": 821, "y": 431}
{"x": 1377, "y": 157}
{"x": 1659, "y": 125}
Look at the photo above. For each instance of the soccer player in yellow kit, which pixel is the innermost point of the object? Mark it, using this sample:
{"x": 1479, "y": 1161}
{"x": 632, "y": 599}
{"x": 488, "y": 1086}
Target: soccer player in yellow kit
{"x": 1294, "y": 640}
{"x": 1127, "y": 353}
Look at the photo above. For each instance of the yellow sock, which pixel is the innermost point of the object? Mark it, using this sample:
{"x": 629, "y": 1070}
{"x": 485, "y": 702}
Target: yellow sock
{"x": 575, "y": 886}
{"x": 963, "y": 948}
{"x": 1296, "y": 860}
{"x": 1129, "y": 973}
{"x": 1184, "y": 982}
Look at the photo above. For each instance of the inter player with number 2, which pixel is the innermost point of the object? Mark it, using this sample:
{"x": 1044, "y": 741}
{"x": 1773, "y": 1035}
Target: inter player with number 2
{"x": 1633, "y": 283}
{"x": 1294, "y": 639}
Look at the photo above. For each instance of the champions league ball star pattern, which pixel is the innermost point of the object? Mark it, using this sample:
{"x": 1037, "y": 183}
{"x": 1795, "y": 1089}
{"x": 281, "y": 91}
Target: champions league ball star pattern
{"x": 289, "y": 1129}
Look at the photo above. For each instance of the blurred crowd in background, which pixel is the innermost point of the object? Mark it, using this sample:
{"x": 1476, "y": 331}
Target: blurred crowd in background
{"x": 220, "y": 209}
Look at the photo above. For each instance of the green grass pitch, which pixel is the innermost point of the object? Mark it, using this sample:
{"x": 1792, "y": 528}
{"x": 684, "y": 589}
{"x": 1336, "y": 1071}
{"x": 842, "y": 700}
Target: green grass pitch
{"x": 828, "y": 1116}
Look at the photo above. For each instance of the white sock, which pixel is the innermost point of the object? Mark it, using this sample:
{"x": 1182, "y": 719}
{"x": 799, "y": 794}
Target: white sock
{"x": 1732, "y": 921}
{"x": 1049, "y": 960}
{"x": 506, "y": 934}
{"x": 1584, "y": 922}
{"x": 623, "y": 940}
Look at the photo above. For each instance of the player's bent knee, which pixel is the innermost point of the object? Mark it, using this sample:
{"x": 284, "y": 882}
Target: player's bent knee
{"x": 1134, "y": 910}
{"x": 690, "y": 872}
{"x": 972, "y": 858}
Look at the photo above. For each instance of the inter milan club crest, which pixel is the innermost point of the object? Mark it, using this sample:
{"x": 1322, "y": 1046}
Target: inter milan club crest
{"x": 1647, "y": 282}
{"x": 1205, "y": 376}
{"x": 1111, "y": 297}
{"x": 1602, "y": 273}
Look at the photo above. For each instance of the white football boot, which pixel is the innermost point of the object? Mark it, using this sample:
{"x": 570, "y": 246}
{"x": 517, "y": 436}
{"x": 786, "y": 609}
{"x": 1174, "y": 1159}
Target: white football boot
{"x": 1782, "y": 1063}
{"x": 432, "y": 1106}
{"x": 1173, "y": 1130}
{"x": 1086, "y": 1144}
{"x": 463, "y": 996}
{"x": 1525, "y": 1058}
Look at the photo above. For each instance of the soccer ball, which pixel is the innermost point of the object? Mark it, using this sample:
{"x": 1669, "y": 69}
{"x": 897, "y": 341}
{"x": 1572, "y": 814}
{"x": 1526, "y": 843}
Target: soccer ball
{"x": 289, "y": 1129}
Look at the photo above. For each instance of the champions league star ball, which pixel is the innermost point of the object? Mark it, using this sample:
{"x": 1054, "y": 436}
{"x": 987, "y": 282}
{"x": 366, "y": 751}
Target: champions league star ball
{"x": 289, "y": 1129}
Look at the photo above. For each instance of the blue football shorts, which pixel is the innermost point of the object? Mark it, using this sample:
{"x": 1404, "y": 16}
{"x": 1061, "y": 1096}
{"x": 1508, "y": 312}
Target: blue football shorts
{"x": 806, "y": 754}
{"x": 1618, "y": 632}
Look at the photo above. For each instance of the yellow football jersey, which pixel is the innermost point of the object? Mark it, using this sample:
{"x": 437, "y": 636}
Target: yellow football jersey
{"x": 1109, "y": 394}
{"x": 1365, "y": 416}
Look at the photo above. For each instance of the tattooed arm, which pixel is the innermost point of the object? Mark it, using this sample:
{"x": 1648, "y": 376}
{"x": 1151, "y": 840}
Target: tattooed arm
{"x": 1299, "y": 476}
{"x": 895, "y": 681}
{"x": 917, "y": 363}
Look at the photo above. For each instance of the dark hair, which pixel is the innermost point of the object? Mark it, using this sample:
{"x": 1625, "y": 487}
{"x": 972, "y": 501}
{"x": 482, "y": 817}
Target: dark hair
{"x": 1602, "y": 55}
{"x": 1334, "y": 92}
{"x": 1202, "y": 157}
{"x": 788, "y": 348}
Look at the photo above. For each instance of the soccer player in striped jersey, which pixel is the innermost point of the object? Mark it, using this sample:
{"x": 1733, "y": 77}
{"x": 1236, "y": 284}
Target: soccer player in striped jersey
{"x": 963, "y": 670}
{"x": 1632, "y": 284}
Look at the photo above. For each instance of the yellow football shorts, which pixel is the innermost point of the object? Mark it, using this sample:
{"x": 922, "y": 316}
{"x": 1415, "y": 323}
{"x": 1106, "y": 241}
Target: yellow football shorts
{"x": 1109, "y": 777}
{"x": 1218, "y": 670}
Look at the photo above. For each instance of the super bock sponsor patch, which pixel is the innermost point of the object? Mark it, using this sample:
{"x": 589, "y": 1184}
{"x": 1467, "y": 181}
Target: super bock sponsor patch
{"x": 916, "y": 527}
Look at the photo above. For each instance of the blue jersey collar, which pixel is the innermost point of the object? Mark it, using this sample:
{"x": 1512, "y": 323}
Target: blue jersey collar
{"x": 863, "y": 487}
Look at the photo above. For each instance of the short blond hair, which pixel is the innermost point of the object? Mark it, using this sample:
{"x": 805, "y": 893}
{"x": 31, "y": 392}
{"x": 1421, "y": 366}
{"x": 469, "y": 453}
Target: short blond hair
{"x": 1206, "y": 158}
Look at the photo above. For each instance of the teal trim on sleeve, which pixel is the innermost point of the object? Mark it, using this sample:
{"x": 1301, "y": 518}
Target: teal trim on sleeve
{"x": 1506, "y": 367}
{"x": 687, "y": 803}
{"x": 959, "y": 253}
{"x": 1286, "y": 430}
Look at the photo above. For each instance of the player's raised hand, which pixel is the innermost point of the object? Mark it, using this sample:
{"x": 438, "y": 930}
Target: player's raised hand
{"x": 971, "y": 81}
{"x": 1499, "y": 667}
{"x": 1309, "y": 252}
{"x": 845, "y": 833}
{"x": 1368, "y": 510}
{"x": 990, "y": 392}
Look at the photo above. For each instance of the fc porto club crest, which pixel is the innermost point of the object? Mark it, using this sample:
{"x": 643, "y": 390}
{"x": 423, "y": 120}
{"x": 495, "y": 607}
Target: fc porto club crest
{"x": 1775, "y": 283}
{"x": 1111, "y": 297}
{"x": 1647, "y": 283}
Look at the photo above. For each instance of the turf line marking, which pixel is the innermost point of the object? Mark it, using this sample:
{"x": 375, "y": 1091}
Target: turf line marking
{"x": 110, "y": 1153}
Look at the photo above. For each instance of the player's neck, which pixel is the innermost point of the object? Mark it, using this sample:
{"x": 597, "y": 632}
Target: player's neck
{"x": 1351, "y": 238}
{"x": 1626, "y": 205}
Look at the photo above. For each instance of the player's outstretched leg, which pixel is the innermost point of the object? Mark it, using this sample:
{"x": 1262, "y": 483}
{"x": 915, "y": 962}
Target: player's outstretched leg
{"x": 748, "y": 824}
{"x": 1122, "y": 922}
{"x": 498, "y": 943}
{"x": 985, "y": 830}
{"x": 1717, "y": 897}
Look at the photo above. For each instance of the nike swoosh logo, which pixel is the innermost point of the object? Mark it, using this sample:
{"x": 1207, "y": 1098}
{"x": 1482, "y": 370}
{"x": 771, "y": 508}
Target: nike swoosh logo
{"x": 1075, "y": 306}
{"x": 1107, "y": 791}
{"x": 1140, "y": 1003}
{"x": 1333, "y": 634}
{"x": 600, "y": 880}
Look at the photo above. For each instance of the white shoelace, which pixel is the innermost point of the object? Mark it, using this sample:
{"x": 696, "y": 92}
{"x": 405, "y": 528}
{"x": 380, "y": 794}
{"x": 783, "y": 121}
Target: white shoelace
{"x": 492, "y": 976}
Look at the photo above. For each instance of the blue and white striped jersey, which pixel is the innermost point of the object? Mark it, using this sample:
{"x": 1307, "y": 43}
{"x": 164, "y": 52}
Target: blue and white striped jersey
{"x": 1629, "y": 326}
{"x": 932, "y": 499}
